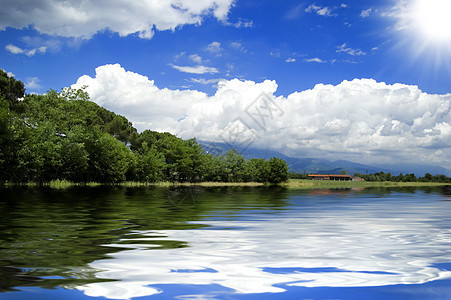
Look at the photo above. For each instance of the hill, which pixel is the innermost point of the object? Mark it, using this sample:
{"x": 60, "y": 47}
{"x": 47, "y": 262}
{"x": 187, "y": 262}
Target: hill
{"x": 323, "y": 166}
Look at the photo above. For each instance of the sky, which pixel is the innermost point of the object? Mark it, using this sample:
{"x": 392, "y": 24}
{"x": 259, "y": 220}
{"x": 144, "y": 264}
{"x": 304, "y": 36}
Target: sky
{"x": 366, "y": 81}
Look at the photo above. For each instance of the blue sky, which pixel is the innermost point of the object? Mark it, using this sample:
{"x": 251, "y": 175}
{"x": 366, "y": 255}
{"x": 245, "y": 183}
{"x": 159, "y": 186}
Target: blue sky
{"x": 283, "y": 48}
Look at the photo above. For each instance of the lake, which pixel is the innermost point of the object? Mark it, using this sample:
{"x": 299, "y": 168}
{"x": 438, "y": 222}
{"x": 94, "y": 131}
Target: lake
{"x": 225, "y": 243}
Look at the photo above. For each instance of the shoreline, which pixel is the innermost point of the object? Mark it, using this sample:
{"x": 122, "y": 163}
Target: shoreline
{"x": 305, "y": 184}
{"x": 290, "y": 184}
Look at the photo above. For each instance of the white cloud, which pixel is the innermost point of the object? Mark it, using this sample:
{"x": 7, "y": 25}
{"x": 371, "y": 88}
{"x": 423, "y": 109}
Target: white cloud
{"x": 86, "y": 18}
{"x": 16, "y": 50}
{"x": 196, "y": 58}
{"x": 206, "y": 81}
{"x": 238, "y": 46}
{"x": 13, "y": 49}
{"x": 397, "y": 251}
{"x": 343, "y": 5}
{"x": 10, "y": 74}
{"x": 360, "y": 120}
{"x": 290, "y": 60}
{"x": 350, "y": 51}
{"x": 315, "y": 59}
{"x": 49, "y": 44}
{"x": 195, "y": 70}
{"x": 366, "y": 13}
{"x": 32, "y": 83}
{"x": 275, "y": 53}
{"x": 322, "y": 11}
{"x": 243, "y": 24}
{"x": 214, "y": 47}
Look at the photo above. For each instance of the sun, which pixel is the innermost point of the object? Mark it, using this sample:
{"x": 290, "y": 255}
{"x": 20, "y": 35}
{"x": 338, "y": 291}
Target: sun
{"x": 423, "y": 30}
{"x": 432, "y": 19}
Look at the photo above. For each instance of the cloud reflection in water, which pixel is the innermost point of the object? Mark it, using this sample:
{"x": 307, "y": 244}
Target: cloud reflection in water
{"x": 357, "y": 244}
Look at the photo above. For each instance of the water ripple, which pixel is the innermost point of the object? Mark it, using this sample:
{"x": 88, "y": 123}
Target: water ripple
{"x": 346, "y": 244}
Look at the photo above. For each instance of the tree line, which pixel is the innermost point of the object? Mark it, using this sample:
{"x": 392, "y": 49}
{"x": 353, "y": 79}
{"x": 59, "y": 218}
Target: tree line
{"x": 381, "y": 176}
{"x": 63, "y": 135}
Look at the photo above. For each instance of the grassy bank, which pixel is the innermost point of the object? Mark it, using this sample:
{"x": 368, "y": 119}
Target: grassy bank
{"x": 306, "y": 183}
{"x": 292, "y": 184}
{"x": 62, "y": 184}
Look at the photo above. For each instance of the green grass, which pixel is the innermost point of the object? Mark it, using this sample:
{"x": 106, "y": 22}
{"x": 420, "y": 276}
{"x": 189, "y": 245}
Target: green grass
{"x": 292, "y": 184}
{"x": 307, "y": 183}
{"x": 55, "y": 184}
{"x": 63, "y": 184}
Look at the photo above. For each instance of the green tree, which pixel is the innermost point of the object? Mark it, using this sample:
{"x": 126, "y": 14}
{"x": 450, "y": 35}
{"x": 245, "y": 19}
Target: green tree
{"x": 214, "y": 168}
{"x": 428, "y": 177}
{"x": 388, "y": 177}
{"x": 75, "y": 161}
{"x": 278, "y": 170}
{"x": 109, "y": 158}
{"x": 8, "y": 143}
{"x": 151, "y": 165}
{"x": 234, "y": 165}
{"x": 11, "y": 89}
{"x": 257, "y": 170}
{"x": 75, "y": 94}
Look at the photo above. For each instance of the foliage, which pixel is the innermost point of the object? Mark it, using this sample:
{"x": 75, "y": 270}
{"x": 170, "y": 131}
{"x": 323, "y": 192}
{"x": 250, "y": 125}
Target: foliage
{"x": 278, "y": 170}
{"x": 65, "y": 137}
{"x": 381, "y": 177}
{"x": 294, "y": 175}
{"x": 10, "y": 89}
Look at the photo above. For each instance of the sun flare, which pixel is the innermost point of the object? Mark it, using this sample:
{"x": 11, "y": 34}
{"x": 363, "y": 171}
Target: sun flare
{"x": 433, "y": 19}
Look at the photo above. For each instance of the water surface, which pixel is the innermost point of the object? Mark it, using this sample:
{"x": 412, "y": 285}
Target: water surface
{"x": 225, "y": 243}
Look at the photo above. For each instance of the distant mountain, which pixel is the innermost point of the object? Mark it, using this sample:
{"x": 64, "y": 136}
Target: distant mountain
{"x": 420, "y": 170}
{"x": 324, "y": 166}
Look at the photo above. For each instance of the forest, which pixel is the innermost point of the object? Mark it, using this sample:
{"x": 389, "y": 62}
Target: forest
{"x": 383, "y": 177}
{"x": 65, "y": 136}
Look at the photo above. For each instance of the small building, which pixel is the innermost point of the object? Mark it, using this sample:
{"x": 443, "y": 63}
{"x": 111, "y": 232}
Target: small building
{"x": 330, "y": 177}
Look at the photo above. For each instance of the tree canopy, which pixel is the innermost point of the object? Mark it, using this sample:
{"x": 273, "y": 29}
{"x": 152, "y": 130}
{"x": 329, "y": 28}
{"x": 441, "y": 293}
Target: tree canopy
{"x": 63, "y": 135}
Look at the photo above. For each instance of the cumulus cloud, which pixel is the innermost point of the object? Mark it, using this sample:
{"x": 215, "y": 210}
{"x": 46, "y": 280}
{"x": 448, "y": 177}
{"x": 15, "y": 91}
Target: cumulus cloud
{"x": 350, "y": 51}
{"x": 322, "y": 11}
{"x": 290, "y": 60}
{"x": 214, "y": 47}
{"x": 315, "y": 59}
{"x": 13, "y": 49}
{"x": 195, "y": 70}
{"x": 86, "y": 18}
{"x": 33, "y": 83}
{"x": 361, "y": 120}
{"x": 366, "y": 13}
{"x": 196, "y": 58}
{"x": 16, "y": 50}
